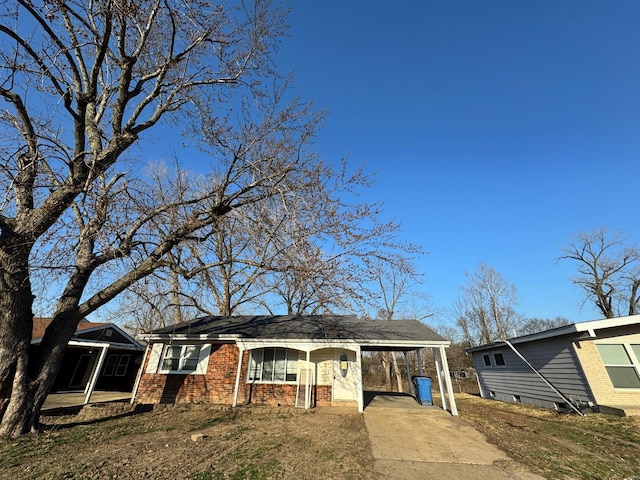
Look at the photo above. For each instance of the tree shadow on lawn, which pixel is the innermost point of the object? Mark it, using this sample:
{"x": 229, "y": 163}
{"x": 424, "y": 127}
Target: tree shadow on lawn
{"x": 66, "y": 411}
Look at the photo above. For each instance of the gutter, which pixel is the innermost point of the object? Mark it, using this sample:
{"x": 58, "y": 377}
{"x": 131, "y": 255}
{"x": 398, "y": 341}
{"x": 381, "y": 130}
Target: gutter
{"x": 549, "y": 384}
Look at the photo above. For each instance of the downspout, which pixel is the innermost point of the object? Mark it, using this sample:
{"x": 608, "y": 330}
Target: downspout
{"x": 549, "y": 384}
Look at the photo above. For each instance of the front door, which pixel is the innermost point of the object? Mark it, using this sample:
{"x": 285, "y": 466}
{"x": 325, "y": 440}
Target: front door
{"x": 345, "y": 376}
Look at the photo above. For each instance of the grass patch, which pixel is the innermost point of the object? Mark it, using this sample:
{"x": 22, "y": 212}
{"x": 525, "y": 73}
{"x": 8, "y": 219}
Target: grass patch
{"x": 559, "y": 446}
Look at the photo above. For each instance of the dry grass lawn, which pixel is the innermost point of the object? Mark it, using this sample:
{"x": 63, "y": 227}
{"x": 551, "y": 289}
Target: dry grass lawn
{"x": 559, "y": 446}
{"x": 280, "y": 443}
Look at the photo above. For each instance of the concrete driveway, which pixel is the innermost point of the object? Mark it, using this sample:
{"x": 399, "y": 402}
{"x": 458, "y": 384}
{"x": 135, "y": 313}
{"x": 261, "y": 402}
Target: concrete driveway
{"x": 413, "y": 441}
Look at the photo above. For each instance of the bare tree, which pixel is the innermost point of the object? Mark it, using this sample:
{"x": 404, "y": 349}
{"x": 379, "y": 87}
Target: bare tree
{"x": 307, "y": 256}
{"x": 485, "y": 310}
{"x": 395, "y": 286}
{"x": 608, "y": 271}
{"x": 82, "y": 82}
{"x": 535, "y": 325}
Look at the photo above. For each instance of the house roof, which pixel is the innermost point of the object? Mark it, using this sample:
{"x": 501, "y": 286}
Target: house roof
{"x": 304, "y": 328}
{"x": 586, "y": 330}
{"x": 83, "y": 333}
{"x": 41, "y": 324}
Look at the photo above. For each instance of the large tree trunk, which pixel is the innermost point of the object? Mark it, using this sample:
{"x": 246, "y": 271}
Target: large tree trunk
{"x": 16, "y": 315}
{"x": 31, "y": 386}
{"x": 34, "y": 377}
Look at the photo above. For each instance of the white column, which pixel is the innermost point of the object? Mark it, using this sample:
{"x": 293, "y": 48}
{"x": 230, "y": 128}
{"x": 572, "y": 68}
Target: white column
{"x": 447, "y": 378}
{"x": 307, "y": 386}
{"x": 95, "y": 374}
{"x": 436, "y": 356}
{"x": 238, "y": 371}
{"x": 359, "y": 372}
{"x": 134, "y": 392}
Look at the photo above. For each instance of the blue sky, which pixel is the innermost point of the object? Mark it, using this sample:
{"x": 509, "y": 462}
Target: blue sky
{"x": 497, "y": 129}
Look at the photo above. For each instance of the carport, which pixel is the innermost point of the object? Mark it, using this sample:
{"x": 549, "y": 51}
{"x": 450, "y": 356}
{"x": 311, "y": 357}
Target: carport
{"x": 438, "y": 347}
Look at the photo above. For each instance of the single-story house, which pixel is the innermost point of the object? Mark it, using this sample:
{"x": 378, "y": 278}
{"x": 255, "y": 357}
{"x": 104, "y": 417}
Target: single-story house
{"x": 301, "y": 361}
{"x": 586, "y": 366}
{"x": 99, "y": 356}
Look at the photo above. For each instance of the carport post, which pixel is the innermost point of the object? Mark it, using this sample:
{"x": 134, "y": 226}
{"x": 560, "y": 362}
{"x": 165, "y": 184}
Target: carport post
{"x": 359, "y": 372}
{"x": 307, "y": 390}
{"x": 95, "y": 374}
{"x": 420, "y": 371}
{"x": 237, "y": 386}
{"x": 436, "y": 357}
{"x": 447, "y": 379}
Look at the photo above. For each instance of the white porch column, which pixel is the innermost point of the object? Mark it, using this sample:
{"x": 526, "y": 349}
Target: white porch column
{"x": 359, "y": 371}
{"x": 238, "y": 371}
{"x": 307, "y": 386}
{"x": 134, "y": 392}
{"x": 95, "y": 374}
{"x": 445, "y": 365}
{"x": 436, "y": 356}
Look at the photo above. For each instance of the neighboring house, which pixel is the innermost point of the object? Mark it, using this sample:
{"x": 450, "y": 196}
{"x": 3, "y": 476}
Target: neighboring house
{"x": 99, "y": 356}
{"x": 301, "y": 361}
{"x": 586, "y": 366}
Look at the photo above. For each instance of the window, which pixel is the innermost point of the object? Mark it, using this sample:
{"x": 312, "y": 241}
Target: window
{"x": 499, "y": 360}
{"x": 116, "y": 365}
{"x": 121, "y": 370}
{"x": 180, "y": 358}
{"x": 493, "y": 359}
{"x": 273, "y": 365}
{"x": 622, "y": 363}
{"x": 110, "y": 365}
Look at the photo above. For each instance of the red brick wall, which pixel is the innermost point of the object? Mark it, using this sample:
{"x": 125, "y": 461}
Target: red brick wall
{"x": 217, "y": 385}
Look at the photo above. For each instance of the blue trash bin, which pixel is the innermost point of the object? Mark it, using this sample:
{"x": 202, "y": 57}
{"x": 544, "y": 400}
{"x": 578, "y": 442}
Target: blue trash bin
{"x": 423, "y": 390}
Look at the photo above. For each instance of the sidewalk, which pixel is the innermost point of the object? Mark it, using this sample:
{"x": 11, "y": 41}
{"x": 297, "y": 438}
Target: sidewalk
{"x": 413, "y": 441}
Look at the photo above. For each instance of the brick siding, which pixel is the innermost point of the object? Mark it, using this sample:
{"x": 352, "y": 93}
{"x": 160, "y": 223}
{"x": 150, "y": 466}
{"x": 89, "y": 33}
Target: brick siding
{"x": 598, "y": 378}
{"x": 217, "y": 385}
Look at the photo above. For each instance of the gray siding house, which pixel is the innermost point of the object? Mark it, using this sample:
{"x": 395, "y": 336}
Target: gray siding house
{"x": 587, "y": 366}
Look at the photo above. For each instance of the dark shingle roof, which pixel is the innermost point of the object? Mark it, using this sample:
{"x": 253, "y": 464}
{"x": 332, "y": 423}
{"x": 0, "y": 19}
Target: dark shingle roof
{"x": 308, "y": 327}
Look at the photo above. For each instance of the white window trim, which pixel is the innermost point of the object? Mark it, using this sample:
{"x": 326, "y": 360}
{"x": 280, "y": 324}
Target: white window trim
{"x": 289, "y": 351}
{"x": 635, "y": 363}
{"x": 157, "y": 355}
